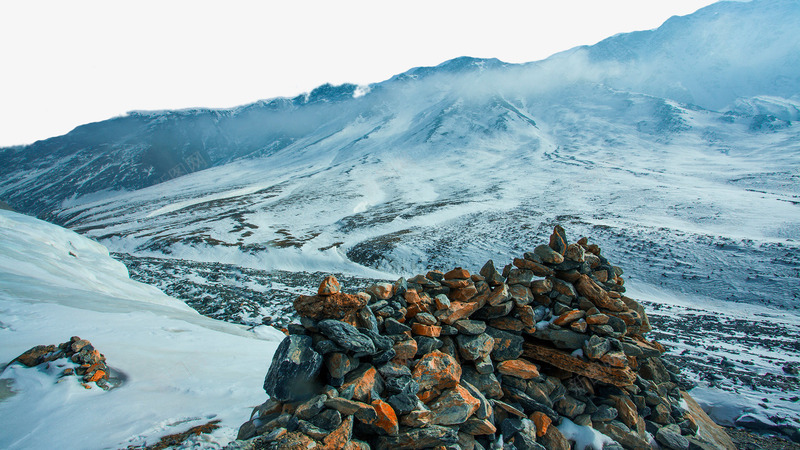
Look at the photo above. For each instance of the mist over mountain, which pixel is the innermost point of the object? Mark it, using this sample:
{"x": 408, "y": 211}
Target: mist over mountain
{"x": 678, "y": 144}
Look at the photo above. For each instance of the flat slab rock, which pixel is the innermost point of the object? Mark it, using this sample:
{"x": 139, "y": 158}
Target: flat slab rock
{"x": 619, "y": 377}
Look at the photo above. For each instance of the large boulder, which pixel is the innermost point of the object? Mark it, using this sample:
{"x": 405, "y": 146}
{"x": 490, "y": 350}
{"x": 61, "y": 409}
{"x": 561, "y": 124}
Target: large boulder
{"x": 293, "y": 372}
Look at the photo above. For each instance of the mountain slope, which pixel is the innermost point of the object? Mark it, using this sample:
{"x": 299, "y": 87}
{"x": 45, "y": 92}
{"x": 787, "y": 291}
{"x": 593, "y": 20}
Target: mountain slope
{"x": 471, "y": 160}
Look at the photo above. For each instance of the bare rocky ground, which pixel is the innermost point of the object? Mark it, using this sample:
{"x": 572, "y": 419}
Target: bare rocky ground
{"x": 750, "y": 356}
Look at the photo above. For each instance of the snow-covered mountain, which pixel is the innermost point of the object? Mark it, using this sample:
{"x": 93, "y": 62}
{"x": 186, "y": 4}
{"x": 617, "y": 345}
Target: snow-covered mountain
{"x": 180, "y": 369}
{"x": 676, "y": 145}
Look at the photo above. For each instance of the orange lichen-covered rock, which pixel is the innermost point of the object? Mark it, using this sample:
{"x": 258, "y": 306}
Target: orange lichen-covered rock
{"x": 568, "y": 317}
{"x": 329, "y": 286}
{"x": 437, "y": 370}
{"x": 387, "y": 418}
{"x": 339, "y": 437}
{"x": 334, "y": 306}
{"x": 519, "y": 368}
{"x": 36, "y": 355}
{"x": 457, "y": 273}
{"x": 426, "y": 330}
{"x": 457, "y": 311}
{"x": 365, "y": 381}
{"x": 597, "y": 295}
{"x": 406, "y": 349}
{"x": 463, "y": 294}
{"x": 541, "y": 421}
{"x": 97, "y": 375}
{"x": 454, "y": 406}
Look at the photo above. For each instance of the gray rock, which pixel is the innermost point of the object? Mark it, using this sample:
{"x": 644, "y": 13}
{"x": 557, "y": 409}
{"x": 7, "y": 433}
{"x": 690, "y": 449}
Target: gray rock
{"x": 427, "y": 344}
{"x": 487, "y": 383}
{"x": 392, "y": 326}
{"x": 474, "y": 347}
{"x": 403, "y": 403}
{"x": 520, "y": 276}
{"x": 347, "y": 336}
{"x": 506, "y": 345}
{"x": 294, "y": 369}
{"x": 569, "y": 407}
{"x": 604, "y": 413}
{"x": 328, "y": 419}
{"x": 595, "y": 347}
{"x": 548, "y": 255}
{"x": 671, "y": 440}
{"x": 561, "y": 338}
{"x": 311, "y": 407}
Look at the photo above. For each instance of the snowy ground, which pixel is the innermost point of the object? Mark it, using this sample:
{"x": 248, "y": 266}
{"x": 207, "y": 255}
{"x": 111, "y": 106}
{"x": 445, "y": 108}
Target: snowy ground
{"x": 181, "y": 368}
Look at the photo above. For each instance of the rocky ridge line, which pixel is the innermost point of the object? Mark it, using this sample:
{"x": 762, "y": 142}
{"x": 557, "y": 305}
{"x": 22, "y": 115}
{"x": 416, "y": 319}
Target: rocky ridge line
{"x": 530, "y": 357}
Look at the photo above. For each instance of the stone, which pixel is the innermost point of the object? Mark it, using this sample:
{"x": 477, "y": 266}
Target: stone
{"x": 484, "y": 365}
{"x": 653, "y": 369}
{"x": 507, "y": 323}
{"x": 474, "y": 347}
{"x": 615, "y": 359}
{"x": 548, "y": 255}
{"x": 311, "y": 430}
{"x": 579, "y": 326}
{"x": 520, "y": 295}
{"x": 541, "y": 421}
{"x": 671, "y": 440}
{"x": 604, "y": 413}
{"x": 520, "y": 276}
{"x": 470, "y": 327}
{"x": 484, "y": 410}
{"x": 568, "y": 317}
{"x": 708, "y": 431}
{"x": 404, "y": 402}
{"x": 292, "y": 374}
{"x": 569, "y": 406}
{"x": 334, "y": 306}
{"x": 622, "y": 434}
{"x": 417, "y": 418}
{"x": 456, "y": 283}
{"x": 615, "y": 376}
{"x": 294, "y": 440}
{"x": 486, "y": 383}
{"x": 416, "y": 438}
{"x": 311, "y": 407}
{"x": 575, "y": 253}
{"x": 381, "y": 291}
{"x": 339, "y": 437}
{"x": 347, "y": 336}
{"x": 426, "y": 330}
{"x": 506, "y": 345}
{"x": 490, "y": 274}
{"x": 586, "y": 287}
{"x": 387, "y": 419}
{"x": 528, "y": 403}
{"x": 36, "y": 355}
{"x": 541, "y": 287}
{"x": 478, "y": 427}
{"x": 538, "y": 269}
{"x": 405, "y": 350}
{"x": 554, "y": 440}
{"x": 437, "y": 370}
{"x": 489, "y": 312}
{"x": 499, "y": 295}
{"x": 366, "y": 383}
{"x": 457, "y": 311}
{"x": 457, "y": 273}
{"x": 328, "y": 419}
{"x": 340, "y": 364}
{"x": 558, "y": 240}
{"x": 596, "y": 347}
{"x": 519, "y": 368}
{"x": 561, "y": 338}
{"x": 329, "y": 286}
{"x": 427, "y": 344}
{"x": 454, "y": 406}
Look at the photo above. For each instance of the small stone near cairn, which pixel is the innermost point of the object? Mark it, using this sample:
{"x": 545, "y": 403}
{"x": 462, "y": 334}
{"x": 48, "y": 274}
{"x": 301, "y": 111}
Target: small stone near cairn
{"x": 521, "y": 358}
{"x": 84, "y": 360}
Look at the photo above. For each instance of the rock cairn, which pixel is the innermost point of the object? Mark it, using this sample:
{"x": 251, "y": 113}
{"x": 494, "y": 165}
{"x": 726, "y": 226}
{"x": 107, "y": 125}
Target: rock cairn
{"x": 468, "y": 361}
{"x": 88, "y": 363}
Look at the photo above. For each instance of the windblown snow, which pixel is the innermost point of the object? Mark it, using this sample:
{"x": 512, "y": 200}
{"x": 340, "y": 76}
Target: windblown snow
{"x": 181, "y": 369}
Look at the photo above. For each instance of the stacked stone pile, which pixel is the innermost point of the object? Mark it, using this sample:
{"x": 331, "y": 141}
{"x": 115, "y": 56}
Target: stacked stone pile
{"x": 468, "y": 361}
{"x": 87, "y": 362}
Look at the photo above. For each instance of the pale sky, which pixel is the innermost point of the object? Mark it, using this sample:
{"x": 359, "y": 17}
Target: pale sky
{"x": 65, "y": 63}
